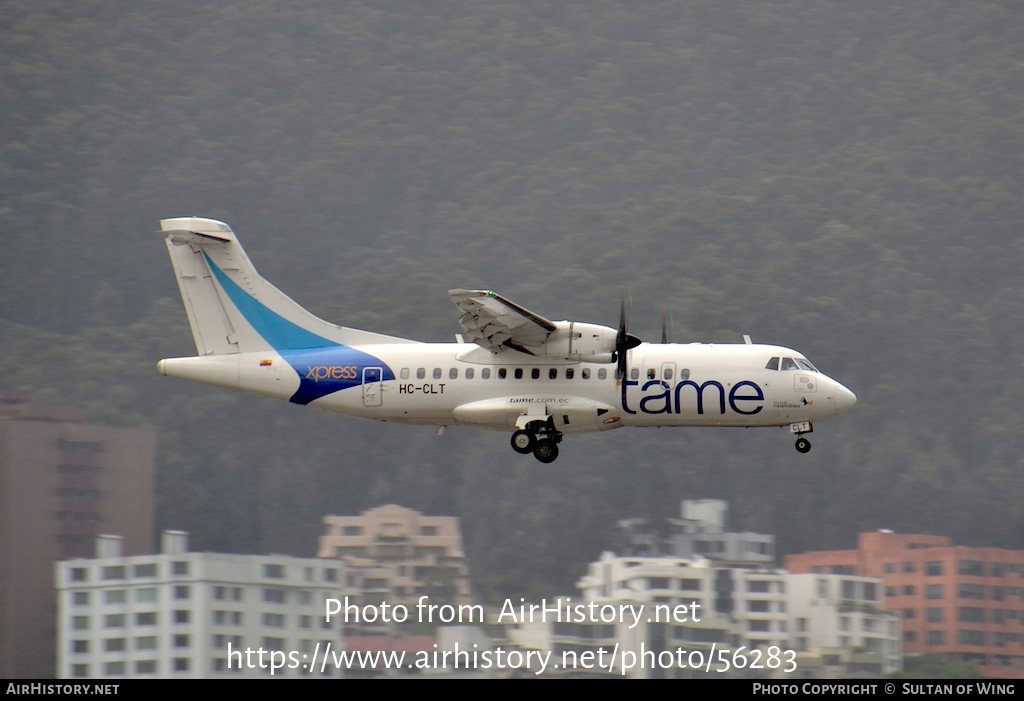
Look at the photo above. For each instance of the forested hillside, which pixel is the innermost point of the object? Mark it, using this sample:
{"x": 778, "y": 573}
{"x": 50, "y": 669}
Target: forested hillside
{"x": 842, "y": 178}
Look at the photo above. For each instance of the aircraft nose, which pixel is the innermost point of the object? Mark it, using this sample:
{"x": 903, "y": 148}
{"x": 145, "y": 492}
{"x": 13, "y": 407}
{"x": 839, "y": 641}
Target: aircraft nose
{"x": 844, "y": 399}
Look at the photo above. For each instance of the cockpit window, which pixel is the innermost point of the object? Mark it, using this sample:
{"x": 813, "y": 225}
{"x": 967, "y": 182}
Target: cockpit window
{"x": 806, "y": 365}
{"x": 773, "y": 364}
{"x": 789, "y": 364}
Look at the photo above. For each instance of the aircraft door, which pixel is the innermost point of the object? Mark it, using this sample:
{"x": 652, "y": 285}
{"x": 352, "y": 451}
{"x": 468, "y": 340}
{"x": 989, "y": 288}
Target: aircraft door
{"x": 372, "y": 386}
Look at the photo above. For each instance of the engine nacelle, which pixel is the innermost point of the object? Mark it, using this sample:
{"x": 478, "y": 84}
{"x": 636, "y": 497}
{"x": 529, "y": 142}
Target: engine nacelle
{"x": 573, "y": 340}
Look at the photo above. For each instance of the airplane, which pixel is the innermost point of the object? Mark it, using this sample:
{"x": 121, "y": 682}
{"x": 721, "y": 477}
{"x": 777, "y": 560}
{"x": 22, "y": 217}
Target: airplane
{"x": 511, "y": 369}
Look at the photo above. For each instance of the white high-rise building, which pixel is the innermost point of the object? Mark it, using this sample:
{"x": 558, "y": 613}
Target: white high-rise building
{"x": 174, "y": 614}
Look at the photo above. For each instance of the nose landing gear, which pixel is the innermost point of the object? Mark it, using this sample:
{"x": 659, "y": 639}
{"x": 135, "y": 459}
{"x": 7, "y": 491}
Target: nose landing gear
{"x": 540, "y": 438}
{"x": 800, "y": 428}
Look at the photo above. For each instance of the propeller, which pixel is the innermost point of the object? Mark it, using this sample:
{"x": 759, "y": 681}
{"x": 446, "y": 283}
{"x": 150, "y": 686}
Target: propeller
{"x": 624, "y": 341}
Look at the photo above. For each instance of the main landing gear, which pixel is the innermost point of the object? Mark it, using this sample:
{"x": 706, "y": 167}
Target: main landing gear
{"x": 539, "y": 438}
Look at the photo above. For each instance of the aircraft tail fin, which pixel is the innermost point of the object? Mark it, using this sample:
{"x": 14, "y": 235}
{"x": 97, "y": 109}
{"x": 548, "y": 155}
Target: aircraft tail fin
{"x": 230, "y": 308}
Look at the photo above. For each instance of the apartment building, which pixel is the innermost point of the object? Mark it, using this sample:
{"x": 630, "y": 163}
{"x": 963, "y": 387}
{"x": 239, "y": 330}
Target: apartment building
{"x": 62, "y": 481}
{"x": 965, "y": 603}
{"x": 177, "y": 614}
{"x": 404, "y": 555}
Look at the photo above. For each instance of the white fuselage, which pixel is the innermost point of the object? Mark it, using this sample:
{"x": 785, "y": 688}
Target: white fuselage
{"x": 462, "y": 384}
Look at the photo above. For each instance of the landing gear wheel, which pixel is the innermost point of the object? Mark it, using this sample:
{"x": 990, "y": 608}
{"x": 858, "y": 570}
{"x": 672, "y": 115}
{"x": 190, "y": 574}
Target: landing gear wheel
{"x": 523, "y": 442}
{"x": 803, "y": 445}
{"x": 546, "y": 450}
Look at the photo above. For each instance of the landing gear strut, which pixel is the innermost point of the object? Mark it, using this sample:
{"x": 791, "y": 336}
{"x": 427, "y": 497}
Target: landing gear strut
{"x": 800, "y": 428}
{"x": 540, "y": 438}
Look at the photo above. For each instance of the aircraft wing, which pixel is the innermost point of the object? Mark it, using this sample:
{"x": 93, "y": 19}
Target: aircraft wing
{"x": 492, "y": 321}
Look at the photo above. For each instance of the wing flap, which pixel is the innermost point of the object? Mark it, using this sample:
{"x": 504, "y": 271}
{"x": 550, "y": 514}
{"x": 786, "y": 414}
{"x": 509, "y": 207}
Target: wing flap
{"x": 490, "y": 320}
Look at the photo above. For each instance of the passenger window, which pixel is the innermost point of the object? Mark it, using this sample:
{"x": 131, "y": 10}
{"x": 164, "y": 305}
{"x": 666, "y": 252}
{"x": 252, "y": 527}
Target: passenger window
{"x": 485, "y": 374}
{"x": 421, "y": 373}
{"x": 569, "y": 373}
{"x": 519, "y": 373}
{"x": 634, "y": 374}
{"x": 650, "y": 373}
{"x": 502, "y": 373}
{"x": 469, "y": 373}
{"x": 602, "y": 373}
{"x": 684, "y": 374}
{"x": 437, "y": 373}
{"x": 405, "y": 373}
{"x": 585, "y": 373}
{"x": 535, "y": 373}
{"x": 553, "y": 374}
{"x": 453, "y": 374}
{"x": 789, "y": 364}
{"x": 773, "y": 364}
{"x": 668, "y": 373}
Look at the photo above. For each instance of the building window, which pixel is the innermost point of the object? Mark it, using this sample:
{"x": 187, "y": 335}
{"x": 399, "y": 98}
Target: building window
{"x": 759, "y": 626}
{"x": 305, "y": 621}
{"x": 909, "y": 567}
{"x": 909, "y": 589}
{"x": 181, "y": 616}
{"x": 180, "y": 640}
{"x": 909, "y": 636}
{"x": 305, "y": 598}
{"x": 936, "y": 637}
{"x": 81, "y": 598}
{"x": 219, "y": 593}
{"x": 273, "y": 596}
{"x": 80, "y": 622}
{"x": 273, "y": 571}
{"x": 870, "y": 591}
{"x": 689, "y": 585}
{"x": 273, "y": 620}
{"x": 147, "y": 642}
{"x": 890, "y": 591}
{"x": 114, "y": 620}
{"x": 823, "y": 588}
{"x": 236, "y": 594}
{"x": 113, "y": 572}
{"x": 145, "y": 570}
{"x": 79, "y": 646}
{"x": 145, "y": 619}
{"x": 933, "y": 568}
{"x": 971, "y": 568}
{"x": 114, "y": 645}
{"x": 849, "y": 589}
{"x": 79, "y": 670}
{"x": 971, "y": 591}
{"x": 758, "y": 606}
{"x": 180, "y": 664}
{"x": 935, "y": 615}
{"x": 179, "y": 568}
{"x": 933, "y": 591}
{"x": 972, "y": 637}
{"x": 114, "y": 596}
{"x": 273, "y": 643}
{"x": 972, "y": 614}
{"x": 182, "y": 592}
{"x": 145, "y": 667}
{"x": 910, "y": 613}
{"x": 79, "y": 574}
{"x": 657, "y": 583}
{"x": 801, "y": 625}
{"x": 758, "y": 586}
{"x": 331, "y": 575}
{"x": 145, "y": 595}
{"x": 236, "y": 618}
{"x": 110, "y": 668}
{"x": 352, "y": 530}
